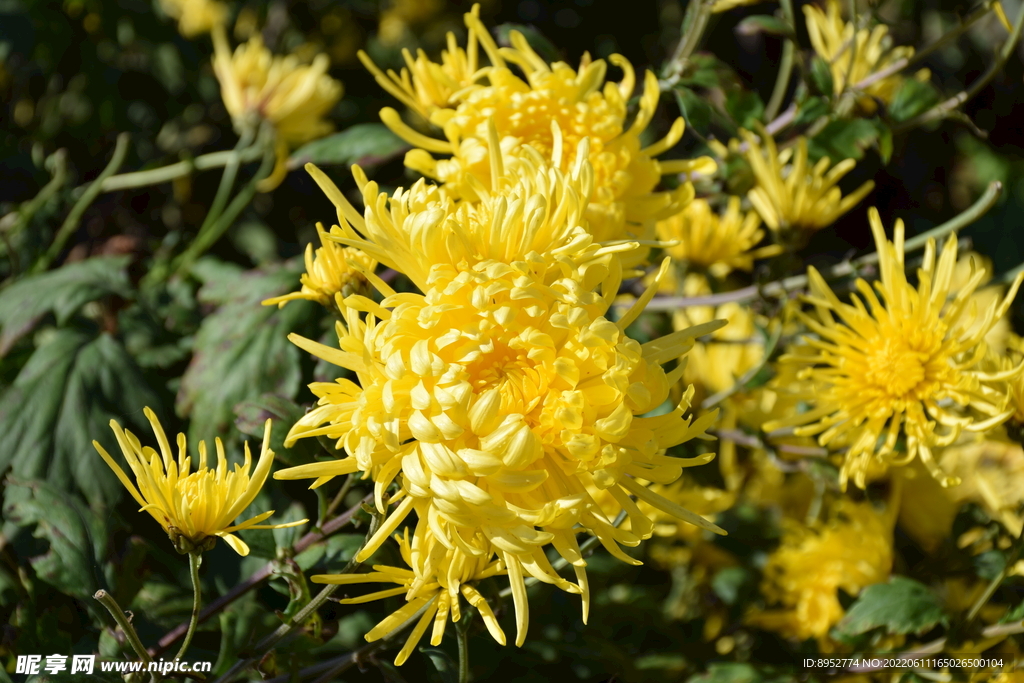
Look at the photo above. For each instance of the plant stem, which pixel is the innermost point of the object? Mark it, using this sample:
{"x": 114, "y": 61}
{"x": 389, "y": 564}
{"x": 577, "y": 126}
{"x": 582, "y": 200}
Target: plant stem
{"x": 713, "y": 400}
{"x": 194, "y": 560}
{"x": 217, "y": 223}
{"x": 107, "y": 600}
{"x": 696, "y": 20}
{"x": 14, "y": 222}
{"x": 70, "y": 223}
{"x": 177, "y": 170}
{"x": 462, "y": 631}
{"x": 260, "y": 576}
{"x": 783, "y": 287}
{"x": 940, "y": 110}
{"x": 785, "y": 65}
{"x": 993, "y": 585}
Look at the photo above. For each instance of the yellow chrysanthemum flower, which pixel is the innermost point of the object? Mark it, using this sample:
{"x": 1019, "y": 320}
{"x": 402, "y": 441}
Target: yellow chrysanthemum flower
{"x": 294, "y": 98}
{"x": 900, "y": 365}
{"x": 436, "y": 578}
{"x": 803, "y": 576}
{"x": 718, "y": 243}
{"x": 992, "y": 475}
{"x": 790, "y": 195}
{"x": 333, "y": 270}
{"x": 853, "y": 61}
{"x": 194, "y": 508}
{"x": 195, "y": 17}
{"x": 502, "y": 393}
{"x": 985, "y": 297}
{"x": 551, "y": 110}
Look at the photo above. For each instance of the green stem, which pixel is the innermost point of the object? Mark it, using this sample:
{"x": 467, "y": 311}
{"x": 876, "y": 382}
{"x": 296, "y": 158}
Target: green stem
{"x": 694, "y": 23}
{"x": 88, "y": 197}
{"x": 177, "y": 170}
{"x": 940, "y": 110}
{"x": 782, "y": 81}
{"x": 194, "y": 560}
{"x": 785, "y": 286}
{"x": 462, "y": 630}
{"x": 14, "y": 222}
{"x": 107, "y": 600}
{"x": 210, "y": 232}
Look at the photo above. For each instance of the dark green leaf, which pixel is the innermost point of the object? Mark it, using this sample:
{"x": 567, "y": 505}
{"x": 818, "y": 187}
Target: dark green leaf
{"x": 763, "y": 23}
{"x": 537, "y": 40}
{"x": 366, "y": 144}
{"x": 811, "y": 109}
{"x": 242, "y": 350}
{"x": 251, "y": 416}
{"x": 821, "y": 77}
{"x": 843, "y": 139}
{"x": 63, "y": 398}
{"x": 900, "y": 606}
{"x": 61, "y": 292}
{"x": 444, "y": 667}
{"x": 989, "y": 564}
{"x": 729, "y": 582}
{"x": 77, "y": 537}
{"x": 707, "y": 71}
{"x": 695, "y": 110}
{"x": 745, "y": 107}
{"x": 914, "y": 97}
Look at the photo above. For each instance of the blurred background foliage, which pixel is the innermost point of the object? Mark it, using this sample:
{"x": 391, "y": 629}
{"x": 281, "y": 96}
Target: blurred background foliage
{"x": 83, "y": 342}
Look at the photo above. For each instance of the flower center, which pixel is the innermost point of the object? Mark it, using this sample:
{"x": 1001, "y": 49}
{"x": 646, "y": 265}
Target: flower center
{"x": 896, "y": 368}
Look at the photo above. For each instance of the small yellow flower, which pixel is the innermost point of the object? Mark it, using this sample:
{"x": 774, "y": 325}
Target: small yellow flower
{"x": 195, "y": 17}
{"x": 332, "y": 270}
{"x": 194, "y": 508}
{"x": 852, "y": 551}
{"x": 718, "y": 243}
{"x": 552, "y": 110}
{"x": 436, "y": 578}
{"x": 900, "y": 365}
{"x": 294, "y": 98}
{"x": 792, "y": 195}
{"x": 854, "y": 61}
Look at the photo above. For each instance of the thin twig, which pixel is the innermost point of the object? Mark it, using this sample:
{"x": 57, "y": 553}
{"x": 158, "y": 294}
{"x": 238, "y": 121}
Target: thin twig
{"x": 752, "y": 441}
{"x": 259, "y": 577}
{"x": 741, "y": 383}
{"x": 786, "y": 286}
{"x": 107, "y": 600}
{"x": 177, "y": 170}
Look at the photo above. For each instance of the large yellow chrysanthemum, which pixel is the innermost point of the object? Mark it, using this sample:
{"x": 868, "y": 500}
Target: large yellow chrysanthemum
{"x": 293, "y": 97}
{"x": 803, "y": 576}
{"x": 551, "y": 110}
{"x": 502, "y": 394}
{"x": 853, "y": 61}
{"x": 718, "y": 243}
{"x": 436, "y": 578}
{"x": 790, "y": 195}
{"x": 194, "y": 508}
{"x": 901, "y": 365}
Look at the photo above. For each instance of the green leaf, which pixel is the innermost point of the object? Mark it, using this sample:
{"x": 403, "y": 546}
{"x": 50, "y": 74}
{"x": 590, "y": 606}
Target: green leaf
{"x": 745, "y": 107}
{"x": 242, "y": 350}
{"x": 821, "y": 77}
{"x": 884, "y": 142}
{"x": 61, "y": 292}
{"x": 252, "y": 415}
{"x": 763, "y": 23}
{"x": 914, "y": 97}
{"x": 707, "y": 71}
{"x": 77, "y": 537}
{"x": 695, "y": 110}
{"x": 900, "y": 606}
{"x": 728, "y": 583}
{"x": 444, "y": 667}
{"x": 537, "y": 40}
{"x": 366, "y": 144}
{"x": 989, "y": 564}
{"x": 64, "y": 397}
{"x": 843, "y": 139}
{"x": 810, "y": 110}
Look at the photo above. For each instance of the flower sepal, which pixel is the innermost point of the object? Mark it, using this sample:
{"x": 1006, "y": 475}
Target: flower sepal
{"x": 188, "y": 546}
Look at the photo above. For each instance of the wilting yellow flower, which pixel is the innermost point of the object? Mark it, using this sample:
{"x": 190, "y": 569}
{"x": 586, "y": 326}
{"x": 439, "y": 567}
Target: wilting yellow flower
{"x": 992, "y": 475}
{"x": 852, "y": 551}
{"x": 551, "y": 111}
{"x": 195, "y": 16}
{"x": 718, "y": 243}
{"x": 901, "y": 365}
{"x": 502, "y": 393}
{"x": 294, "y": 98}
{"x": 333, "y": 271}
{"x": 436, "y": 577}
{"x": 790, "y": 194}
{"x": 852, "y": 61}
{"x": 194, "y": 508}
